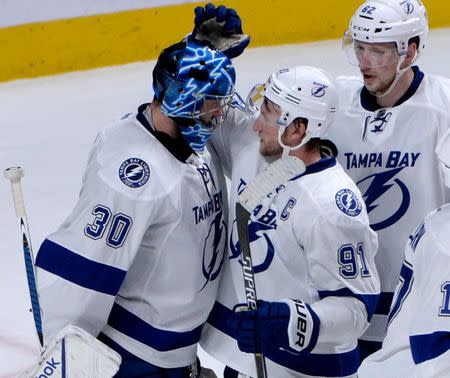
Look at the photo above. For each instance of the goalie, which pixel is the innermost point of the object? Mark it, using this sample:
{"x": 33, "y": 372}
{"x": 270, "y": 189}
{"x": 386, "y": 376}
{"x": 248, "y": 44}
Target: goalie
{"x": 136, "y": 264}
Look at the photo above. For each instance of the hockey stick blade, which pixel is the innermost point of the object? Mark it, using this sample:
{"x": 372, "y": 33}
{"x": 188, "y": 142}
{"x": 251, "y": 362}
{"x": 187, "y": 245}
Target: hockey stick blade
{"x": 266, "y": 183}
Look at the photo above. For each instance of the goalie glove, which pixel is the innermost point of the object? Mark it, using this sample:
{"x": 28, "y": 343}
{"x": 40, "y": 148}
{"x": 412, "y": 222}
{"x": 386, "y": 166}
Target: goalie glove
{"x": 291, "y": 325}
{"x": 221, "y": 28}
{"x": 76, "y": 353}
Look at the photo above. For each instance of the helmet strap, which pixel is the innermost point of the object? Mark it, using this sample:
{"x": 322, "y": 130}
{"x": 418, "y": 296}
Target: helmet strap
{"x": 286, "y": 148}
{"x": 398, "y": 74}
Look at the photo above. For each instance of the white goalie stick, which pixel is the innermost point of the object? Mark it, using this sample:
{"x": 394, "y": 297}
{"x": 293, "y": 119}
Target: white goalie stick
{"x": 264, "y": 185}
{"x": 73, "y": 352}
{"x": 14, "y": 174}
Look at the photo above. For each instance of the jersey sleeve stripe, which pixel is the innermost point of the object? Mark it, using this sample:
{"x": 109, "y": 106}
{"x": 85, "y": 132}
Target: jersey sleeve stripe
{"x": 429, "y": 346}
{"x": 369, "y": 300}
{"x": 318, "y": 365}
{"x": 79, "y": 270}
{"x": 133, "y": 326}
{"x": 407, "y": 279}
{"x": 384, "y": 304}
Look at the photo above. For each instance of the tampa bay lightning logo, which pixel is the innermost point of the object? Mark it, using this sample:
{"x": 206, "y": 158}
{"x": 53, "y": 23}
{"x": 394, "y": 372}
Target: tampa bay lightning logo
{"x": 134, "y": 172}
{"x": 348, "y": 202}
{"x": 318, "y": 90}
{"x": 207, "y": 177}
{"x": 408, "y": 7}
{"x": 257, "y": 232}
{"x": 215, "y": 242}
{"x": 378, "y": 122}
{"x": 382, "y": 213}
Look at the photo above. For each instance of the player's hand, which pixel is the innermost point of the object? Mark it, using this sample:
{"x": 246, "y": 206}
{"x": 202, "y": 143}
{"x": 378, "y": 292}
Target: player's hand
{"x": 221, "y": 27}
{"x": 228, "y": 17}
{"x": 261, "y": 330}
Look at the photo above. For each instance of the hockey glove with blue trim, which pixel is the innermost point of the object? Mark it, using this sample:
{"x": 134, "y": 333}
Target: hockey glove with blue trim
{"x": 291, "y": 325}
{"x": 220, "y": 27}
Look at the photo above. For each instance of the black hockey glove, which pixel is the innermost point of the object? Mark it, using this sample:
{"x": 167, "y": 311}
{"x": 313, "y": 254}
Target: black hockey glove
{"x": 220, "y": 27}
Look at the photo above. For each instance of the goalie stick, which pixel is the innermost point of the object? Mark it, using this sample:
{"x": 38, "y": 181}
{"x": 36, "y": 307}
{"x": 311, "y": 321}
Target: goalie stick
{"x": 264, "y": 185}
{"x": 14, "y": 175}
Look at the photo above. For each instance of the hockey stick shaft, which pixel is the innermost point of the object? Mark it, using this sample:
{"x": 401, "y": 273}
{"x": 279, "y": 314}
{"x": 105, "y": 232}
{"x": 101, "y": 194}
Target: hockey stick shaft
{"x": 242, "y": 218}
{"x": 14, "y": 174}
{"x": 264, "y": 185}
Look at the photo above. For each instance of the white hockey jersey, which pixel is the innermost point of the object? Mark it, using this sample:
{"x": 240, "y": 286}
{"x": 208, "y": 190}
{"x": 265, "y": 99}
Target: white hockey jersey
{"x": 313, "y": 245}
{"x": 389, "y": 153}
{"x": 417, "y": 342}
{"x": 140, "y": 256}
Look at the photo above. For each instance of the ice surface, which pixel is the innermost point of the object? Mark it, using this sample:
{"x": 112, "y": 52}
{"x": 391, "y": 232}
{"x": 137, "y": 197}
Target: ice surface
{"x": 48, "y": 125}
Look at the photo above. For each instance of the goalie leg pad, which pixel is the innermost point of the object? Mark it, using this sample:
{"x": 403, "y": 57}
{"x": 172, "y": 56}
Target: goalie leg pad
{"x": 76, "y": 353}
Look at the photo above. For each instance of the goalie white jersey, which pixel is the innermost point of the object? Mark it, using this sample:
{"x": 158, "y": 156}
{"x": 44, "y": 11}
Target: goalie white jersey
{"x": 144, "y": 246}
{"x": 417, "y": 340}
{"x": 300, "y": 249}
{"x": 389, "y": 153}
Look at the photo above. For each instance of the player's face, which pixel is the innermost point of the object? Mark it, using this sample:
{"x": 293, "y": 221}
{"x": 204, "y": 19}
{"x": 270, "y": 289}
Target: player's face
{"x": 378, "y": 64}
{"x": 267, "y": 128}
{"x": 213, "y": 111}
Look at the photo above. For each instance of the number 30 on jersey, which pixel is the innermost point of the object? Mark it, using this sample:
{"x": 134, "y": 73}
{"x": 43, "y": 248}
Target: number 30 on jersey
{"x": 118, "y": 226}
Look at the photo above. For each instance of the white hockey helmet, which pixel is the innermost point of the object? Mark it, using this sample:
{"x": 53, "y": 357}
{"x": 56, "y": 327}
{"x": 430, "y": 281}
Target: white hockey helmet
{"x": 443, "y": 155}
{"x": 380, "y": 21}
{"x": 306, "y": 92}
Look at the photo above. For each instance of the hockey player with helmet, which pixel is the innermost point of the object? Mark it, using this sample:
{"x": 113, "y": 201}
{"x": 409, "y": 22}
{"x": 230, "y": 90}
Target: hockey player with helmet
{"x": 312, "y": 248}
{"x": 137, "y": 261}
{"x": 417, "y": 338}
{"x": 386, "y": 132}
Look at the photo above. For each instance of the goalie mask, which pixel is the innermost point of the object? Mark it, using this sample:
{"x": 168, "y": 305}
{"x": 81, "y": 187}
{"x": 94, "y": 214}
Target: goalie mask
{"x": 300, "y": 92}
{"x": 195, "y": 86}
{"x": 443, "y": 155}
{"x": 385, "y": 21}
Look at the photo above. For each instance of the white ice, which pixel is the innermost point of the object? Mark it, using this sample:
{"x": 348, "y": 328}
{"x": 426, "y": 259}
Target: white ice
{"x": 47, "y": 127}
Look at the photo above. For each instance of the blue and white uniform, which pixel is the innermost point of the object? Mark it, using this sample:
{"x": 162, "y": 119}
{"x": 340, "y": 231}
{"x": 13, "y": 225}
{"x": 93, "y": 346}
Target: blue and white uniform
{"x": 417, "y": 342}
{"x": 389, "y": 153}
{"x": 313, "y": 244}
{"x": 139, "y": 258}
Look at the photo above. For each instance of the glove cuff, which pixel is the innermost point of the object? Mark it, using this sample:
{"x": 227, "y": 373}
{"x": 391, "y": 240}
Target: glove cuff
{"x": 304, "y": 325}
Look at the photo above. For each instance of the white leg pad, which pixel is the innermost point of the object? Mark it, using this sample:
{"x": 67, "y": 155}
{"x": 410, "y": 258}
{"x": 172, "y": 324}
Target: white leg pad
{"x": 74, "y": 353}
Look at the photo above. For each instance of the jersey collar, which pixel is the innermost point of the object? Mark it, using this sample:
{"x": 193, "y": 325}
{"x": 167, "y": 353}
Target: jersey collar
{"x": 369, "y": 101}
{"x": 327, "y": 161}
{"x": 177, "y": 147}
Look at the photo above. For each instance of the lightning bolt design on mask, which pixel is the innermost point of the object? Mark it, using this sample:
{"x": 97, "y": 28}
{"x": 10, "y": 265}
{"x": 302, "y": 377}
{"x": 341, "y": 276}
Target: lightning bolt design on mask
{"x": 192, "y": 90}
